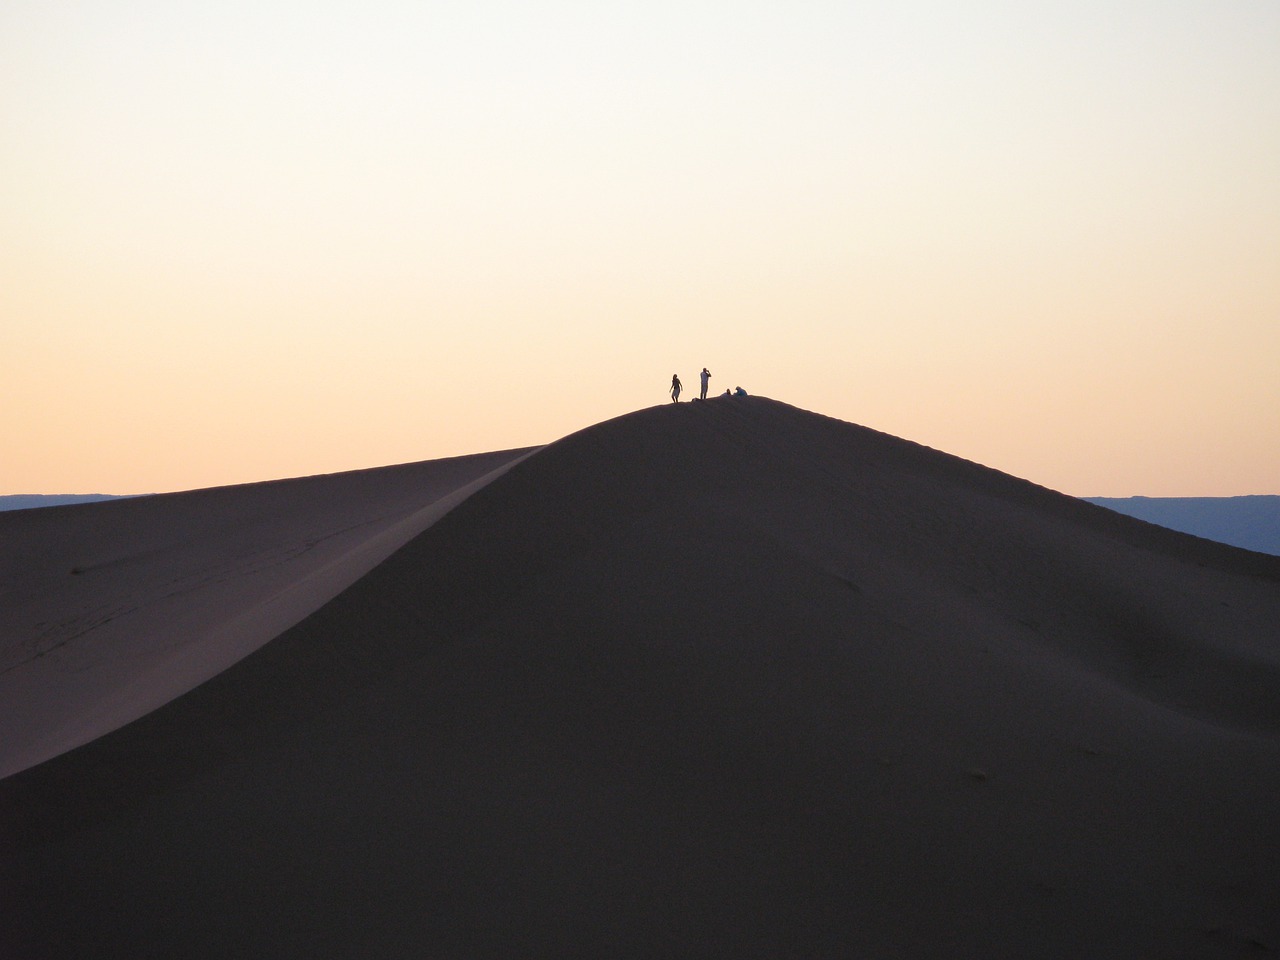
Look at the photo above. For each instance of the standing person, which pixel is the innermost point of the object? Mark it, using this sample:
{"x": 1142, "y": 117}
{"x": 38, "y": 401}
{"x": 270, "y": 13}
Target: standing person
{"x": 675, "y": 388}
{"x": 706, "y": 376}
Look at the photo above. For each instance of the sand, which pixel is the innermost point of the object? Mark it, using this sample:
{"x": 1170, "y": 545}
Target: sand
{"x": 712, "y": 679}
{"x": 112, "y": 610}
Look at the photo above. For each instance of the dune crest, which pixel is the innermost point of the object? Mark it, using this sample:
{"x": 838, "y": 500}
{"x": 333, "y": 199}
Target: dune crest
{"x": 716, "y": 679}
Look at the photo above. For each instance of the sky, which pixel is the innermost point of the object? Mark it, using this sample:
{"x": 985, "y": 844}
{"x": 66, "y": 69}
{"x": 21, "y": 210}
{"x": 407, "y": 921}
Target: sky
{"x": 249, "y": 240}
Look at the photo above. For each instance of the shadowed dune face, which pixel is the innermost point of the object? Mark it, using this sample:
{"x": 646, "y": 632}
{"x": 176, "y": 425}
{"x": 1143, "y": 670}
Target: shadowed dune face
{"x": 723, "y": 678}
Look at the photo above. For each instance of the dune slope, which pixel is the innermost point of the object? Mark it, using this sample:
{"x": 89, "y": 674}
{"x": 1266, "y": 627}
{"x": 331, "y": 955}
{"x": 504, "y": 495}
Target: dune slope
{"x": 110, "y": 610}
{"x": 716, "y": 679}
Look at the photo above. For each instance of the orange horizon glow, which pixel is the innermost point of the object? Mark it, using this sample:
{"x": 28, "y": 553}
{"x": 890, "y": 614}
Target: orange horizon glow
{"x": 258, "y": 241}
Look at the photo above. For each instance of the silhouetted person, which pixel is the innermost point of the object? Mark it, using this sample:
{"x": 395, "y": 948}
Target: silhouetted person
{"x": 675, "y": 388}
{"x": 706, "y": 377}
{"x": 739, "y": 392}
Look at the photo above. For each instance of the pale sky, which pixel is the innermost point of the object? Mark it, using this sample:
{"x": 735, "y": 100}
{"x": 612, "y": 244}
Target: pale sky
{"x": 249, "y": 240}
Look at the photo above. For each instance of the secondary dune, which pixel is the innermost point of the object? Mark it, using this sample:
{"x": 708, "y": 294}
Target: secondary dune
{"x": 109, "y": 610}
{"x": 715, "y": 679}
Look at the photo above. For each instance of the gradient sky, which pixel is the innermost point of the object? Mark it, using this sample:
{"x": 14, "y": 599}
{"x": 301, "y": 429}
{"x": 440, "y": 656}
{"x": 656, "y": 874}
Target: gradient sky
{"x": 249, "y": 240}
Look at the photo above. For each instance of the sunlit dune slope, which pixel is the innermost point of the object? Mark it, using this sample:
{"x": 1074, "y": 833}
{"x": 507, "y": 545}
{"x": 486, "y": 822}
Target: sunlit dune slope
{"x": 715, "y": 679}
{"x": 109, "y": 610}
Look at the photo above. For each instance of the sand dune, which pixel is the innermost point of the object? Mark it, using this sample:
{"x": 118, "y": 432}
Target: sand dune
{"x": 716, "y": 679}
{"x": 113, "y": 609}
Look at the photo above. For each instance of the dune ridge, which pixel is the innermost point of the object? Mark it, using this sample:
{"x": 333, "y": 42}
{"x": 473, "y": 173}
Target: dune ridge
{"x": 716, "y": 679}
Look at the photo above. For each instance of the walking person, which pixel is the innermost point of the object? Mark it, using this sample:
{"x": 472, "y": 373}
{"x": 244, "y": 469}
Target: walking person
{"x": 675, "y": 388}
{"x": 706, "y": 377}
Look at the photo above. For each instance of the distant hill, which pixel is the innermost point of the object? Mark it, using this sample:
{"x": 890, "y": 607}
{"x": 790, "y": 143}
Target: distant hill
{"x": 1249, "y": 522}
{"x": 30, "y": 500}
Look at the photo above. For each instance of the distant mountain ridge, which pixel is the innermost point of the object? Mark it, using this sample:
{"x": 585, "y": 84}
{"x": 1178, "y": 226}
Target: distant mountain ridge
{"x": 29, "y": 501}
{"x": 1249, "y": 522}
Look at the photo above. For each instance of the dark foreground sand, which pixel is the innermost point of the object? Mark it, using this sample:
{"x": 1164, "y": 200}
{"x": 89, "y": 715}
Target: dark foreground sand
{"x": 715, "y": 679}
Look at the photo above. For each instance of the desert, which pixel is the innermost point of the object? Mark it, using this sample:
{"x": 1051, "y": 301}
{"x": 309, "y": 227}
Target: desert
{"x": 725, "y": 678}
